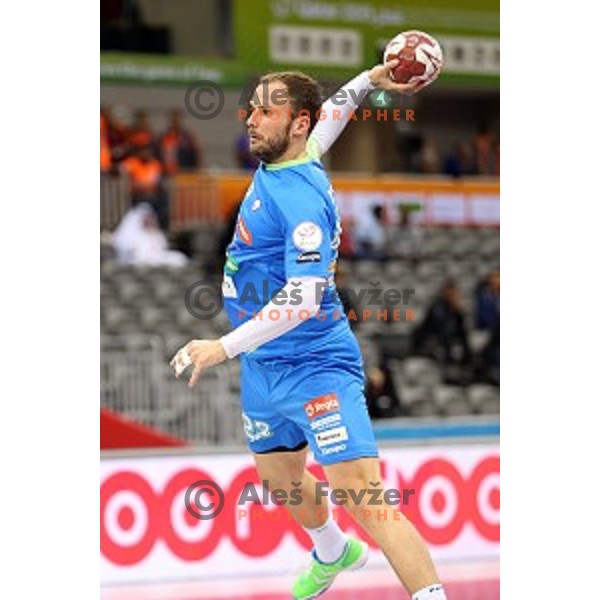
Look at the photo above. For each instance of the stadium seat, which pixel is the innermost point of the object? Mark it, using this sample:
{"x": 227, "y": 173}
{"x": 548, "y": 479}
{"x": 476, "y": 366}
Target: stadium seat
{"x": 478, "y": 339}
{"x": 366, "y": 271}
{"x": 416, "y": 401}
{"x": 152, "y": 299}
{"x": 450, "y": 400}
{"x": 151, "y": 315}
{"x": 184, "y": 319}
{"x": 397, "y": 271}
{"x": 484, "y": 399}
{"x": 394, "y": 345}
{"x": 421, "y": 371}
{"x": 168, "y": 292}
{"x": 116, "y": 315}
{"x": 437, "y": 246}
{"x": 464, "y": 247}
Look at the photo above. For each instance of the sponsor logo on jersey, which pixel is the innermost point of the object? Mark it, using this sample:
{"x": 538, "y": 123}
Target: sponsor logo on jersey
{"x": 255, "y": 205}
{"x": 334, "y": 449}
{"x": 231, "y": 265}
{"x": 325, "y": 422}
{"x": 228, "y": 287}
{"x": 332, "y": 436}
{"x": 308, "y": 257}
{"x": 244, "y": 232}
{"x": 256, "y": 430}
{"x": 307, "y": 236}
{"x": 321, "y": 405}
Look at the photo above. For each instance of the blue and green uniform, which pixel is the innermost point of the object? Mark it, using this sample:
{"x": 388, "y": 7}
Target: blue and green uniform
{"x": 308, "y": 384}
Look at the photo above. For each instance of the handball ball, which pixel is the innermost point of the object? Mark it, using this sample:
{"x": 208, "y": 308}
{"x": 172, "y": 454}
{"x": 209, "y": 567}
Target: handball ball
{"x": 420, "y": 57}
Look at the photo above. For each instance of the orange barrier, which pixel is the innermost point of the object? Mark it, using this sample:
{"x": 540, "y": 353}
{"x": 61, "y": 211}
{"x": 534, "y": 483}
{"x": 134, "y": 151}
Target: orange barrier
{"x": 232, "y": 187}
{"x": 210, "y": 198}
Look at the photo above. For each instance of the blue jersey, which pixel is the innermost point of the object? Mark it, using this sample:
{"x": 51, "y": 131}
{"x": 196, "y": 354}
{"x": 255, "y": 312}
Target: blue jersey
{"x": 288, "y": 226}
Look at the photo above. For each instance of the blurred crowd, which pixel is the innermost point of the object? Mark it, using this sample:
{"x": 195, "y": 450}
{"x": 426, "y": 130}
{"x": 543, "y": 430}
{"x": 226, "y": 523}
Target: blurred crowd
{"x": 139, "y": 241}
{"x": 132, "y": 148}
{"x": 377, "y": 235}
{"x": 443, "y": 334}
{"x": 127, "y": 144}
{"x": 443, "y": 337}
{"x": 479, "y": 155}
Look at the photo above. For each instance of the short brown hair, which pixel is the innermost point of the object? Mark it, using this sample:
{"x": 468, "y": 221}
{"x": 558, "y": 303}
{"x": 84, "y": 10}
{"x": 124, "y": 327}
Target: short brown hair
{"x": 304, "y": 91}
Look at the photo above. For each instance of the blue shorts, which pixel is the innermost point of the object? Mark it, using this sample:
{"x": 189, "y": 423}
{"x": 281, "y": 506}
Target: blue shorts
{"x": 319, "y": 400}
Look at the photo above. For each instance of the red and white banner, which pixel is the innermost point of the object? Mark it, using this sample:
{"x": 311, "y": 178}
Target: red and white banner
{"x": 148, "y": 534}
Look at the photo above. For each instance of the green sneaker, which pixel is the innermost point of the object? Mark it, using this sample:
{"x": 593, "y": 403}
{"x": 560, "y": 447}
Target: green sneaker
{"x": 319, "y": 576}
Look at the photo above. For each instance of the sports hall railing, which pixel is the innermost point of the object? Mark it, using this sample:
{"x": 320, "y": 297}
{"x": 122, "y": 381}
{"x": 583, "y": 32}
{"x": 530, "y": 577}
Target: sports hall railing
{"x": 115, "y": 200}
{"x": 136, "y": 381}
{"x": 196, "y": 198}
{"x": 192, "y": 198}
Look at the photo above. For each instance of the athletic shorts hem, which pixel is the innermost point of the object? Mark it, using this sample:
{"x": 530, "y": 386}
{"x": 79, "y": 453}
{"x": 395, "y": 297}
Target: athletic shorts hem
{"x": 335, "y": 459}
{"x": 296, "y": 448}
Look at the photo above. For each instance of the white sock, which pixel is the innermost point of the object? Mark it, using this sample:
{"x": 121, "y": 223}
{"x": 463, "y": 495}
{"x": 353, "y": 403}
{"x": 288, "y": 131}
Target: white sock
{"x": 431, "y": 592}
{"x": 329, "y": 540}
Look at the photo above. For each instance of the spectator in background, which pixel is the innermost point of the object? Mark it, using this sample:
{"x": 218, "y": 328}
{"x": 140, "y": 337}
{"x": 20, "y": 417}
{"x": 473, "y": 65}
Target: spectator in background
{"x": 487, "y": 302}
{"x": 145, "y": 174}
{"x": 489, "y": 358}
{"x": 430, "y": 158}
{"x": 485, "y": 151}
{"x": 383, "y": 401}
{"x": 138, "y": 240}
{"x": 105, "y": 153}
{"x": 140, "y": 135}
{"x": 443, "y": 335}
{"x": 370, "y": 235}
{"x": 405, "y": 239}
{"x": 496, "y": 147}
{"x": 243, "y": 158}
{"x": 487, "y": 317}
{"x": 179, "y": 150}
{"x": 346, "y": 248}
{"x": 458, "y": 162}
{"x": 117, "y": 131}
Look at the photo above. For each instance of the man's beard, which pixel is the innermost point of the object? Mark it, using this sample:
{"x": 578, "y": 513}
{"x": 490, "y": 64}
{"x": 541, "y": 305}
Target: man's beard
{"x": 273, "y": 149}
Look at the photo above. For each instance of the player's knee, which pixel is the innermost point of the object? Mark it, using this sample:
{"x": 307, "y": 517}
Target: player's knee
{"x": 279, "y": 482}
{"x": 279, "y": 478}
{"x": 347, "y": 482}
{"x": 281, "y": 475}
{"x": 363, "y": 495}
{"x": 352, "y": 490}
{"x": 362, "y": 474}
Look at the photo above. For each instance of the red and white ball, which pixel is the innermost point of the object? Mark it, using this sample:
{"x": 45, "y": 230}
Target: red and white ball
{"x": 420, "y": 57}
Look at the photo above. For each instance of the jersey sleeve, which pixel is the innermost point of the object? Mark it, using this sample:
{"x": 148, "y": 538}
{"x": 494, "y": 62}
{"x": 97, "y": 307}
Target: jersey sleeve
{"x": 308, "y": 233}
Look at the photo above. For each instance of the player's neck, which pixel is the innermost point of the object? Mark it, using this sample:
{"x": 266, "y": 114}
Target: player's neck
{"x": 294, "y": 152}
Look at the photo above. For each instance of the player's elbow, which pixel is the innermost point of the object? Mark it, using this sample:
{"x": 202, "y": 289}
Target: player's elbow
{"x": 307, "y": 294}
{"x": 314, "y": 296}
